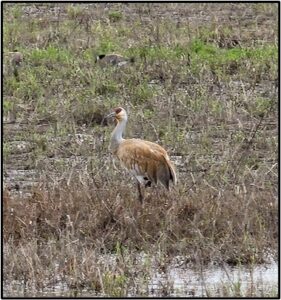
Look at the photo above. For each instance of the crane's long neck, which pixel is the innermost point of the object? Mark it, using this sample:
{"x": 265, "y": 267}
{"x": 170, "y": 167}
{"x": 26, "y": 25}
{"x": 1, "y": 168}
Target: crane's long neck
{"x": 116, "y": 136}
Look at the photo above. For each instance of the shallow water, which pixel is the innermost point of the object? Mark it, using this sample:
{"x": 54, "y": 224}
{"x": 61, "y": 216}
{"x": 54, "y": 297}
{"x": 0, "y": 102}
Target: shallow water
{"x": 209, "y": 281}
{"x": 180, "y": 282}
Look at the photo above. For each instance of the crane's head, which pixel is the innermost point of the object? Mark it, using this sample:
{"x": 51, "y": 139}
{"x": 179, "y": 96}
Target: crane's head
{"x": 99, "y": 57}
{"x": 119, "y": 114}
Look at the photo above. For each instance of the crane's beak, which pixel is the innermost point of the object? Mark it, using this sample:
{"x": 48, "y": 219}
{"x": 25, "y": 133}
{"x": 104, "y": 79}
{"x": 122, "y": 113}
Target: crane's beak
{"x": 113, "y": 114}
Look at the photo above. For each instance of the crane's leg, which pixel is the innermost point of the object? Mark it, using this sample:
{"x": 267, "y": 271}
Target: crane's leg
{"x": 140, "y": 193}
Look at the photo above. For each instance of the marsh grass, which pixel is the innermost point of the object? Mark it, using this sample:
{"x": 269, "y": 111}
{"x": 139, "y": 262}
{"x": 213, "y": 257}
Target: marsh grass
{"x": 207, "y": 94}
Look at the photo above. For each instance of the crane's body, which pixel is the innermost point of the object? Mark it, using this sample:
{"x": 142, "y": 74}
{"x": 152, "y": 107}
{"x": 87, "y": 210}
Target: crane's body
{"x": 113, "y": 59}
{"x": 146, "y": 161}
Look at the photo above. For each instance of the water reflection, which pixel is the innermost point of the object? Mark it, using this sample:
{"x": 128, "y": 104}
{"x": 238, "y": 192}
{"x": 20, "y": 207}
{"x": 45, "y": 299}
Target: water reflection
{"x": 212, "y": 280}
{"x": 179, "y": 282}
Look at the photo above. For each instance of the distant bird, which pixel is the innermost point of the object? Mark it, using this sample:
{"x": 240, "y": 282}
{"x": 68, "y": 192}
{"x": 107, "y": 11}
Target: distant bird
{"x": 113, "y": 59}
{"x": 16, "y": 60}
{"x": 146, "y": 161}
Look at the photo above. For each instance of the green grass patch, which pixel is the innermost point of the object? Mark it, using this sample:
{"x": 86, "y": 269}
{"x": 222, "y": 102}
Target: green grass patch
{"x": 142, "y": 93}
{"x": 211, "y": 53}
{"x": 51, "y": 54}
{"x": 115, "y": 16}
{"x": 159, "y": 52}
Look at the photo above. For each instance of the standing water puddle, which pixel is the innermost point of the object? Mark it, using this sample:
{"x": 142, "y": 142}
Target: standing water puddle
{"x": 180, "y": 282}
{"x": 212, "y": 281}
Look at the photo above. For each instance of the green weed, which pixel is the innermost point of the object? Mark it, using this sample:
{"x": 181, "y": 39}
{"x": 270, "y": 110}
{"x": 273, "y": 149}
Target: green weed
{"x": 115, "y": 16}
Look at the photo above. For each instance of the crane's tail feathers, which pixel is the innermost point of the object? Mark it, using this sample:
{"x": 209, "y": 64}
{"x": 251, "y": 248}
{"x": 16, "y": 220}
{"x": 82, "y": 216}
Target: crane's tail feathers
{"x": 166, "y": 173}
{"x": 173, "y": 175}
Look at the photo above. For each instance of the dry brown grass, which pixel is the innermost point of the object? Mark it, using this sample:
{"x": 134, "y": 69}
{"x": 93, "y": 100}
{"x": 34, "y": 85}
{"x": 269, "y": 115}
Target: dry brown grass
{"x": 65, "y": 229}
{"x": 234, "y": 226}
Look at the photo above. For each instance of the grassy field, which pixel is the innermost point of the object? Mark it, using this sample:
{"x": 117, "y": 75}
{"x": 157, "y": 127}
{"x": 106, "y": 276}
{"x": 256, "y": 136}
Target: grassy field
{"x": 204, "y": 85}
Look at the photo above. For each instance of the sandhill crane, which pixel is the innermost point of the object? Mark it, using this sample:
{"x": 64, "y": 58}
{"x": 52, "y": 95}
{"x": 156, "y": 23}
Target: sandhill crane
{"x": 146, "y": 161}
{"x": 113, "y": 59}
